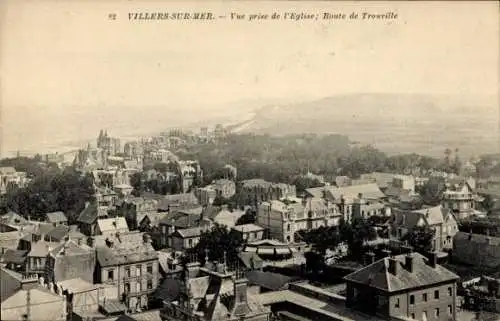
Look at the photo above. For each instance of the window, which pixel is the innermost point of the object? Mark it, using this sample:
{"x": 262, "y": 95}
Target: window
{"x": 138, "y": 270}
{"x": 397, "y": 303}
{"x": 450, "y": 291}
{"x": 288, "y": 228}
{"x": 190, "y": 242}
{"x": 436, "y": 312}
{"x": 424, "y": 297}
{"x": 413, "y": 316}
{"x": 150, "y": 284}
{"x": 127, "y": 287}
{"x": 150, "y": 268}
{"x": 111, "y": 275}
{"x": 412, "y": 299}
{"x": 436, "y": 294}
{"x": 127, "y": 272}
{"x": 138, "y": 287}
{"x": 450, "y": 311}
{"x": 424, "y": 316}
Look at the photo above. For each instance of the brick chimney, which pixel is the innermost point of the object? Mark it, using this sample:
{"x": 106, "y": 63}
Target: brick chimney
{"x": 433, "y": 258}
{"x": 393, "y": 265}
{"x": 409, "y": 262}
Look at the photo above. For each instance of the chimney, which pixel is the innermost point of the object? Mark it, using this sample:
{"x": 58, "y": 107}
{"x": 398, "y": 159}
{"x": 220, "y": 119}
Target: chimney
{"x": 370, "y": 258}
{"x": 409, "y": 262}
{"x": 240, "y": 294}
{"x": 393, "y": 265}
{"x": 192, "y": 269}
{"x": 433, "y": 259}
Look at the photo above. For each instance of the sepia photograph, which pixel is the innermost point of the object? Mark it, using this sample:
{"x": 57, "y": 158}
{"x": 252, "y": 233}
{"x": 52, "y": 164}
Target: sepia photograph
{"x": 249, "y": 160}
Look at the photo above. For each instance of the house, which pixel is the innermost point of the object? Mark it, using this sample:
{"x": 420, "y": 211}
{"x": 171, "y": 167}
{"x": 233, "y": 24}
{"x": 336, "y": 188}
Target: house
{"x": 56, "y": 218}
{"x": 212, "y": 293}
{"x": 185, "y": 239}
{"x": 37, "y": 257}
{"x": 345, "y": 197}
{"x": 409, "y": 286}
{"x": 283, "y": 218}
{"x": 134, "y": 209}
{"x": 14, "y": 260}
{"x": 250, "y": 232}
{"x": 222, "y": 188}
{"x": 57, "y": 234}
{"x": 70, "y": 260}
{"x": 87, "y": 221}
{"x": 437, "y": 218}
{"x": 111, "y": 226}
{"x": 178, "y": 201}
{"x": 364, "y": 208}
{"x": 476, "y": 250}
{"x": 255, "y": 191}
{"x": 131, "y": 266}
{"x": 405, "y": 182}
{"x": 460, "y": 198}
{"x": 178, "y": 220}
{"x": 383, "y": 180}
{"x": 36, "y": 303}
{"x": 12, "y": 221}
{"x": 189, "y": 171}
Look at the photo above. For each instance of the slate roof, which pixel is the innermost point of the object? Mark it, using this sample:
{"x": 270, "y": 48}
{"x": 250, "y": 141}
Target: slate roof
{"x": 41, "y": 249}
{"x": 177, "y": 199}
{"x": 188, "y": 232}
{"x": 123, "y": 253}
{"x": 181, "y": 220}
{"x": 10, "y": 240}
{"x": 14, "y": 256}
{"x": 11, "y": 283}
{"x": 56, "y": 217}
{"x": 268, "y": 280}
{"x": 57, "y": 233}
{"x": 251, "y": 260}
{"x": 377, "y": 274}
{"x": 89, "y": 214}
{"x": 43, "y": 228}
{"x": 432, "y": 216}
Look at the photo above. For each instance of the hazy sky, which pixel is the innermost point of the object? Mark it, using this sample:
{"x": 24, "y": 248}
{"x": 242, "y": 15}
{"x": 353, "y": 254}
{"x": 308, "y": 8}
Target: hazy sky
{"x": 67, "y": 70}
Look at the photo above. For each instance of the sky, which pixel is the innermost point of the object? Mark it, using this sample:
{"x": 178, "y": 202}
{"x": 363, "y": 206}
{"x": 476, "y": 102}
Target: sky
{"x": 67, "y": 70}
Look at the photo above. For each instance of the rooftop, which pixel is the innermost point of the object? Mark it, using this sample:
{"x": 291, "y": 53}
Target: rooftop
{"x": 56, "y": 217}
{"x": 247, "y": 228}
{"x": 378, "y": 274}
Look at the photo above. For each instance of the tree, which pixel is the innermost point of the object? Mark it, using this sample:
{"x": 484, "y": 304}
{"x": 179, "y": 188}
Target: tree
{"x": 248, "y": 218}
{"x": 488, "y": 203}
{"x": 421, "y": 239}
{"x": 219, "y": 241}
{"x": 433, "y": 190}
{"x": 302, "y": 183}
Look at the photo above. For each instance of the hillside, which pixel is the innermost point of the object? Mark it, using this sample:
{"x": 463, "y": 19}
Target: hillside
{"x": 394, "y": 123}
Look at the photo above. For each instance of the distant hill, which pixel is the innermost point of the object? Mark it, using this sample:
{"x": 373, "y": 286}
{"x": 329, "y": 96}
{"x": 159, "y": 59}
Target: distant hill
{"x": 424, "y": 124}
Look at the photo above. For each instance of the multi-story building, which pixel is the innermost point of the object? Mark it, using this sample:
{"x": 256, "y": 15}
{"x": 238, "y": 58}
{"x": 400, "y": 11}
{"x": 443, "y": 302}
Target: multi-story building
{"x": 437, "y": 218}
{"x": 134, "y": 209}
{"x": 409, "y": 286}
{"x": 282, "y": 219}
{"x": 189, "y": 172}
{"x": 133, "y": 150}
{"x": 346, "y": 197}
{"x": 460, "y": 198}
{"x": 131, "y": 266}
{"x": 10, "y": 178}
{"x": 111, "y": 226}
{"x": 223, "y": 188}
{"x": 405, "y": 182}
{"x": 70, "y": 260}
{"x": 255, "y": 191}
{"x": 212, "y": 293}
{"x": 249, "y": 232}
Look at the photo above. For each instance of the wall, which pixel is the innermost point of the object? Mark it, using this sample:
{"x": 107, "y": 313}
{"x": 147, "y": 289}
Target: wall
{"x": 429, "y": 307}
{"x": 75, "y": 266}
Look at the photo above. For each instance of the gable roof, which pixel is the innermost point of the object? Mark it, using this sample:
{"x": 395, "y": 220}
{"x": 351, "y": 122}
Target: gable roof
{"x": 89, "y": 214}
{"x": 56, "y": 217}
{"x": 377, "y": 274}
{"x": 188, "y": 232}
{"x": 58, "y": 233}
{"x": 268, "y": 280}
{"x": 12, "y": 218}
{"x": 112, "y": 224}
